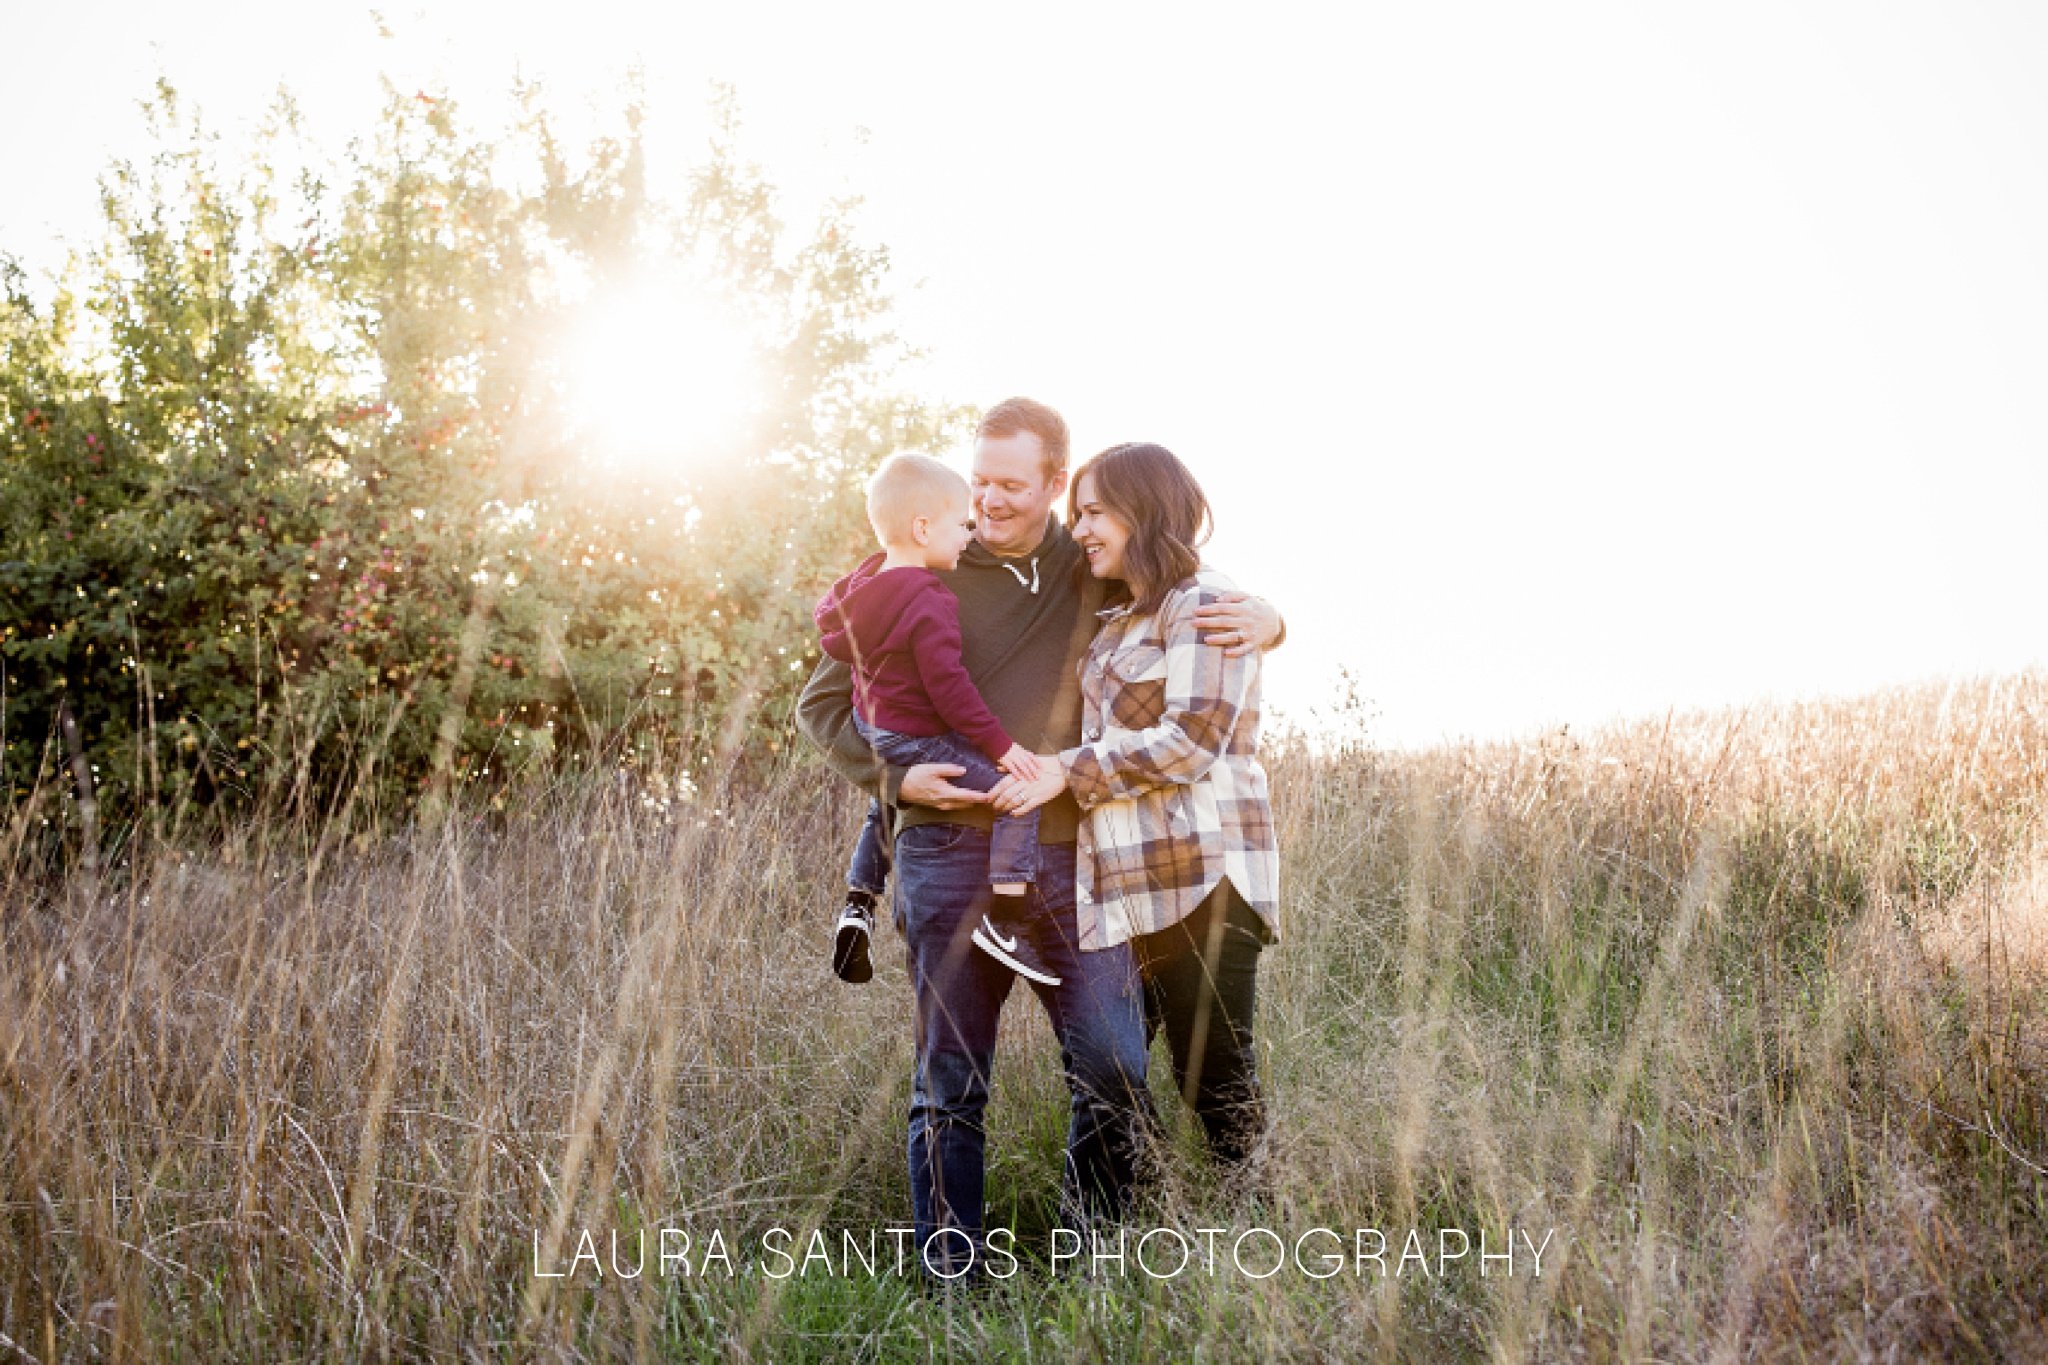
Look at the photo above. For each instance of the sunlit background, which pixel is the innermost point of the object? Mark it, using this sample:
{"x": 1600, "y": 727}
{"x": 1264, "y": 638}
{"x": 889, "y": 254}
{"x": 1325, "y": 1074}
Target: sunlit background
{"x": 662, "y": 367}
{"x": 1545, "y": 363}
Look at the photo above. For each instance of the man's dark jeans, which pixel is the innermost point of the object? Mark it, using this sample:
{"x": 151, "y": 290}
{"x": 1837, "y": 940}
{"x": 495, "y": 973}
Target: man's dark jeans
{"x": 1201, "y": 987}
{"x": 1097, "y": 1011}
{"x": 1013, "y": 851}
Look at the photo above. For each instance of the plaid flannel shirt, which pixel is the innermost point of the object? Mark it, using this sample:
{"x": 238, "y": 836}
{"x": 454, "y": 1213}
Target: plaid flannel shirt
{"x": 1172, "y": 794}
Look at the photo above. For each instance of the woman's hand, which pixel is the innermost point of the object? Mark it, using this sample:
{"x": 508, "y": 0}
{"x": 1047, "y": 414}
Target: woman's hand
{"x": 1017, "y": 796}
{"x": 1240, "y": 624}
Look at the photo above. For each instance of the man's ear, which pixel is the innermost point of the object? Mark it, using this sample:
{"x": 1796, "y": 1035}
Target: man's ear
{"x": 1058, "y": 482}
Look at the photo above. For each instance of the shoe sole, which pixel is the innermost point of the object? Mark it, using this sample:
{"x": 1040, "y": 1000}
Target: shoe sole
{"x": 994, "y": 950}
{"x": 850, "y": 956}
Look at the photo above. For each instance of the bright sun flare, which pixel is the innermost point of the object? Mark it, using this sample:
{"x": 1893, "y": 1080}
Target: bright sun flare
{"x": 662, "y": 375}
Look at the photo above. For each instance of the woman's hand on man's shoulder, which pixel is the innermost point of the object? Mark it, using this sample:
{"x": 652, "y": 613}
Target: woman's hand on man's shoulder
{"x": 1237, "y": 622}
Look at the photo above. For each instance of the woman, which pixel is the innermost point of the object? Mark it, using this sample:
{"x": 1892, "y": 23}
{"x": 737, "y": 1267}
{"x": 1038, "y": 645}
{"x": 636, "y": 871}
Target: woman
{"x": 1176, "y": 853}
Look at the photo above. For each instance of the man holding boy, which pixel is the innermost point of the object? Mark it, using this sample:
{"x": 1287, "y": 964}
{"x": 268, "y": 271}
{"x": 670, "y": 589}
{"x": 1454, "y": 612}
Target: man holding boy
{"x": 897, "y": 626}
{"x": 1026, "y": 617}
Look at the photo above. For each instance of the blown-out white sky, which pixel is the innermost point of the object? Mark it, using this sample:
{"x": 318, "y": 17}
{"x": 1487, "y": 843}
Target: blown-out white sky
{"x": 1545, "y": 363}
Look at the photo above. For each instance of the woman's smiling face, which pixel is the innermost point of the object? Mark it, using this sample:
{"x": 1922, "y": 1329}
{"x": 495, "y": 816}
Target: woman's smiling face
{"x": 1101, "y": 533}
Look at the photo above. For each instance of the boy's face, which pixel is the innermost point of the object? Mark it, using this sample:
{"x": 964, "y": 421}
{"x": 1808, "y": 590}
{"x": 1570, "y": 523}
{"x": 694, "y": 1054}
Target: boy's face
{"x": 948, "y": 534}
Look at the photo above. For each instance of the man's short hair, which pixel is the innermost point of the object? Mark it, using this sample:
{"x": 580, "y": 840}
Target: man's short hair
{"x": 907, "y": 487}
{"x": 1014, "y": 415}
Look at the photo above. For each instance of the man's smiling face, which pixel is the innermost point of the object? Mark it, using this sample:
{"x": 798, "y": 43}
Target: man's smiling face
{"x": 1013, "y": 492}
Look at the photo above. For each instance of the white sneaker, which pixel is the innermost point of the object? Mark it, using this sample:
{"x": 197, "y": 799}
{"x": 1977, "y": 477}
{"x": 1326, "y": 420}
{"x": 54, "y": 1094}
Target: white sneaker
{"x": 850, "y": 942}
{"x": 1013, "y": 949}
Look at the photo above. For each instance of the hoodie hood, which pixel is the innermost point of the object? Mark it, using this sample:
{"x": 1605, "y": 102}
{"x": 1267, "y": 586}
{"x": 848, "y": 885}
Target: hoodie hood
{"x": 870, "y": 593}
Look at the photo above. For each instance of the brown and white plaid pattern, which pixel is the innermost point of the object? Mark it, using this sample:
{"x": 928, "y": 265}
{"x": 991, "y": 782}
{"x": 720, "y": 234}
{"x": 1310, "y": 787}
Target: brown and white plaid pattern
{"x": 1167, "y": 776}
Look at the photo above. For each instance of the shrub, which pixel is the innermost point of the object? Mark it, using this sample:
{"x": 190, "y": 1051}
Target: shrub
{"x": 297, "y": 494}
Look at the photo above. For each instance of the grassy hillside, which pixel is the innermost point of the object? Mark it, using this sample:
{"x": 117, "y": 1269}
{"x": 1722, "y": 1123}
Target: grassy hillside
{"x": 1749, "y": 1012}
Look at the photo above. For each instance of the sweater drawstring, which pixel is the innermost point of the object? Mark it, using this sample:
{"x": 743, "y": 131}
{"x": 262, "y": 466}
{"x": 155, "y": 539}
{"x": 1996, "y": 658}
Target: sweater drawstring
{"x": 1019, "y": 574}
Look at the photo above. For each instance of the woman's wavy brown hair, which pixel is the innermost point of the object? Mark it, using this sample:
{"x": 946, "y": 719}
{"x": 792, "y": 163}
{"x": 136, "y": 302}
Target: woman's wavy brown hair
{"x": 1152, "y": 492}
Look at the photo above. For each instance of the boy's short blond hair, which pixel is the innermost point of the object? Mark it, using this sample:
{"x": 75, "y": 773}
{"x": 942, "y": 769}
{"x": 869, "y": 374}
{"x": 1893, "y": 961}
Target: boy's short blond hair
{"x": 907, "y": 487}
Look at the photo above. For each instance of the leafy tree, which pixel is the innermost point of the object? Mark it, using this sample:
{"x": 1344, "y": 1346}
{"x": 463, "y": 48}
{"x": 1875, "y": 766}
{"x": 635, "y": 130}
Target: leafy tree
{"x": 298, "y": 497}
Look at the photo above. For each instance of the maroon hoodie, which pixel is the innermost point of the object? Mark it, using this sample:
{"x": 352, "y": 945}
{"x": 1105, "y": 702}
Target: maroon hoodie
{"x": 899, "y": 631}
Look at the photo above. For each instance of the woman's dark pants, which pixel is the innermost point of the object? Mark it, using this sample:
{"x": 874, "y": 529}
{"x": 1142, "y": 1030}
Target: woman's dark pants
{"x": 1201, "y": 987}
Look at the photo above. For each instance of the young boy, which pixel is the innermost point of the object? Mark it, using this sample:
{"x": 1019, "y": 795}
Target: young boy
{"x": 897, "y": 626}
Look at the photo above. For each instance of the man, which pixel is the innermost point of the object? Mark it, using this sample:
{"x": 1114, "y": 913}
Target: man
{"x": 1026, "y": 617}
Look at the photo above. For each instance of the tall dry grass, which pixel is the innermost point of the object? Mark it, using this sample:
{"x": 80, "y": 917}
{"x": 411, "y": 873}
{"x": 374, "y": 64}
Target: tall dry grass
{"x": 1748, "y": 1008}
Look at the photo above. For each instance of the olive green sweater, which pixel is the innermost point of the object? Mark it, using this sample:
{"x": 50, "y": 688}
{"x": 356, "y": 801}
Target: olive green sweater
{"x": 1025, "y": 623}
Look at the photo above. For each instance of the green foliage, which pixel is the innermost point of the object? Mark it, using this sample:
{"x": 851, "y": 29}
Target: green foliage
{"x": 295, "y": 495}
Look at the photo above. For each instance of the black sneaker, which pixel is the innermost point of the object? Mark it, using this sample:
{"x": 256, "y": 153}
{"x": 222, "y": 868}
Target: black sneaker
{"x": 850, "y": 940}
{"x": 1001, "y": 935}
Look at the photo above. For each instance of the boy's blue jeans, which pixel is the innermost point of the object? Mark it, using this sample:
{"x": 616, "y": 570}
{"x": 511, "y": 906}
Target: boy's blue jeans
{"x": 1013, "y": 842}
